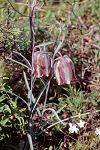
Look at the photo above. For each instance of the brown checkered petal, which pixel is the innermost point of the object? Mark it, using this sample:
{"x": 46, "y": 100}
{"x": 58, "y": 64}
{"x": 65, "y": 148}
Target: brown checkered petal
{"x": 41, "y": 64}
{"x": 64, "y": 70}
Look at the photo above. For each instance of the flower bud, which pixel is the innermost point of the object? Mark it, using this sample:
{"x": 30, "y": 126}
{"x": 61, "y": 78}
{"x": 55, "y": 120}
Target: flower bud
{"x": 41, "y": 64}
{"x": 64, "y": 70}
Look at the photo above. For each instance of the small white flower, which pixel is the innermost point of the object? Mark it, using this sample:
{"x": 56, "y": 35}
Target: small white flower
{"x": 73, "y": 128}
{"x": 97, "y": 131}
{"x": 81, "y": 123}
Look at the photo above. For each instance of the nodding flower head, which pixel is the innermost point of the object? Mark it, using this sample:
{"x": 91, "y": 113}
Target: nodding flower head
{"x": 41, "y": 64}
{"x": 64, "y": 70}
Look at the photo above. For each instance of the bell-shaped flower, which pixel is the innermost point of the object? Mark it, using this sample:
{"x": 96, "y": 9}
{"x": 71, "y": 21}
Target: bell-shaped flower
{"x": 64, "y": 70}
{"x": 41, "y": 64}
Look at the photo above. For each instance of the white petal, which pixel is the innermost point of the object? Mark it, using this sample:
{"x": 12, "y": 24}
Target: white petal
{"x": 73, "y": 128}
{"x": 97, "y": 131}
{"x": 81, "y": 123}
{"x": 70, "y": 124}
